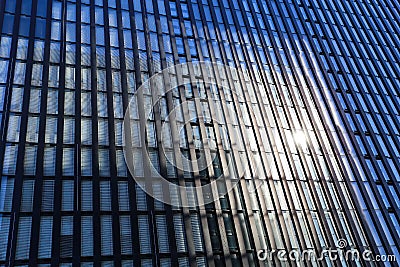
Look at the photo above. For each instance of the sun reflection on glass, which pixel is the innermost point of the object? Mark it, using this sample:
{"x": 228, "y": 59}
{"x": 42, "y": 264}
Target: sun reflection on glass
{"x": 300, "y": 138}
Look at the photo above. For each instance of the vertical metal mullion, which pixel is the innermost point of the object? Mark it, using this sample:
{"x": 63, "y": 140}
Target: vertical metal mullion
{"x": 352, "y": 163}
{"x": 337, "y": 186}
{"x": 19, "y": 175}
{"x": 189, "y": 135}
{"x": 135, "y": 224}
{"x": 95, "y": 143}
{"x": 368, "y": 34}
{"x": 56, "y": 251}
{"x": 288, "y": 155}
{"x": 323, "y": 181}
{"x": 328, "y": 83}
{"x": 42, "y": 132}
{"x": 276, "y": 157}
{"x": 248, "y": 212}
{"x": 11, "y": 246}
{"x": 7, "y": 95}
{"x": 389, "y": 107}
{"x": 2, "y": 10}
{"x": 383, "y": 97}
{"x": 325, "y": 152}
{"x": 393, "y": 13}
{"x": 111, "y": 149}
{"x": 235, "y": 152}
{"x": 392, "y": 63}
{"x": 128, "y": 140}
{"x": 384, "y": 210}
{"x": 257, "y": 134}
{"x": 384, "y": 184}
{"x": 146, "y": 163}
{"x": 168, "y": 208}
{"x": 303, "y": 160}
{"x": 221, "y": 151}
{"x": 385, "y": 37}
{"x": 301, "y": 155}
{"x": 77, "y": 247}
{"x": 34, "y": 244}
{"x": 216, "y": 76}
{"x": 143, "y": 125}
{"x": 349, "y": 187}
{"x": 207, "y": 154}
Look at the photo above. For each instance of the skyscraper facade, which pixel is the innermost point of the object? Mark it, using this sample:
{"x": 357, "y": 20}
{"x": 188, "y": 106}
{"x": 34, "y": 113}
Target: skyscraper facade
{"x": 289, "y": 107}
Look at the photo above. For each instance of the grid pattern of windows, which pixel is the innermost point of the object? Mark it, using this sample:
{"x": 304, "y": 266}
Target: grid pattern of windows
{"x": 314, "y": 140}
